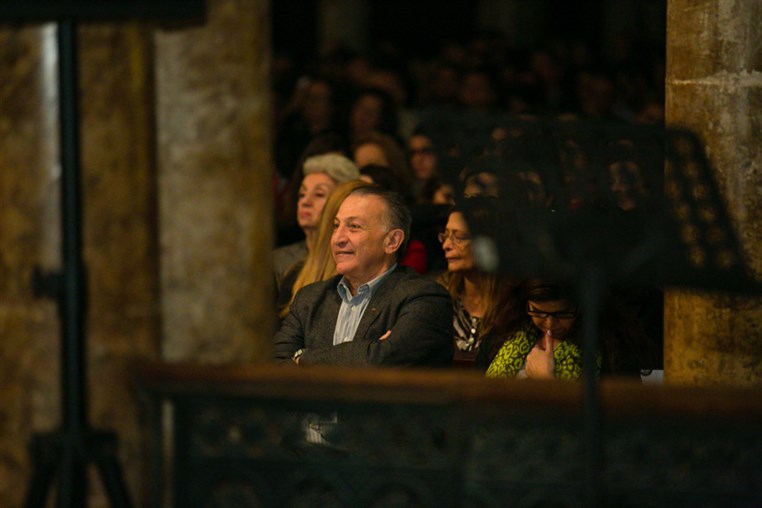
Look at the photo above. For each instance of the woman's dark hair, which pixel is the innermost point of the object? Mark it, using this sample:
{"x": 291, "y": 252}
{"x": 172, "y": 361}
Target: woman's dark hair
{"x": 389, "y": 121}
{"x": 544, "y": 290}
{"x": 480, "y": 213}
{"x": 383, "y": 176}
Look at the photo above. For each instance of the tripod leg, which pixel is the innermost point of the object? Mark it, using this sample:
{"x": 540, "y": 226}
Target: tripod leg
{"x": 113, "y": 481}
{"x": 44, "y": 458}
{"x": 72, "y": 488}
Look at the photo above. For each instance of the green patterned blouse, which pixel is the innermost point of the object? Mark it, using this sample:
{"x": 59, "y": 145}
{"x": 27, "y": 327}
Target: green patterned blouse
{"x": 511, "y": 357}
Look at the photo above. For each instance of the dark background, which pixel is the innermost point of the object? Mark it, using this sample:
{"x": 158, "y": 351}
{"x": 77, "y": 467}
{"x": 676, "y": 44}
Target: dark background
{"x": 421, "y": 25}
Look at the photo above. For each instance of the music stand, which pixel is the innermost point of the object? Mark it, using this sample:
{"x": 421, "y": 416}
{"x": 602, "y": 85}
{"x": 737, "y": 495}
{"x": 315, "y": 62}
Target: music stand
{"x": 68, "y": 450}
{"x": 663, "y": 224}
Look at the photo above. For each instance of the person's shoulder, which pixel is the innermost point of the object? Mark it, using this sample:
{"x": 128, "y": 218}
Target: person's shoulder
{"x": 285, "y": 256}
{"x": 290, "y": 249}
{"x": 408, "y": 280}
{"x": 320, "y": 287}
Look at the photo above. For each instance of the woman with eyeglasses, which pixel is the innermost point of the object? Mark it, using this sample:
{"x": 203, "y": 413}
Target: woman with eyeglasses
{"x": 480, "y": 298}
{"x": 546, "y": 342}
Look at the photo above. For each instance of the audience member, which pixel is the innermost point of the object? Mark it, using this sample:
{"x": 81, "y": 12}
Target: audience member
{"x": 477, "y": 90}
{"x": 480, "y": 298}
{"x": 415, "y": 254}
{"x": 439, "y": 192}
{"x": 374, "y": 312}
{"x": 310, "y": 112}
{"x": 287, "y": 191}
{"x": 321, "y": 175}
{"x": 372, "y": 110}
{"x": 318, "y": 264}
{"x": 423, "y": 157}
{"x": 481, "y": 177}
{"x": 440, "y": 88}
{"x": 547, "y": 342}
{"x": 382, "y": 150}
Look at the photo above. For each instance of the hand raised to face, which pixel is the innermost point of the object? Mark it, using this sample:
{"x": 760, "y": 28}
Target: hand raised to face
{"x": 540, "y": 362}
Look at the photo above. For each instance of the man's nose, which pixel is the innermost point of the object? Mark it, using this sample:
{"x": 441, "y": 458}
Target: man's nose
{"x": 338, "y": 237}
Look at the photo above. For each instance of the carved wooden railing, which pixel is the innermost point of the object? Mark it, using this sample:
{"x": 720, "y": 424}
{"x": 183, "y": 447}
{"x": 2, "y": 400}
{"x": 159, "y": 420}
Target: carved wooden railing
{"x": 234, "y": 437}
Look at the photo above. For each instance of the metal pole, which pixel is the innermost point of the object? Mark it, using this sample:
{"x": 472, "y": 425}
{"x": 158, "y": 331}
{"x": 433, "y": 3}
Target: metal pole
{"x": 591, "y": 287}
{"x": 72, "y": 300}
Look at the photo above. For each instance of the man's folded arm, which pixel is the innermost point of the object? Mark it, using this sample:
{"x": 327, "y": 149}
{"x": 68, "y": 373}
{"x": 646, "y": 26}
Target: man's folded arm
{"x": 421, "y": 335}
{"x": 289, "y": 339}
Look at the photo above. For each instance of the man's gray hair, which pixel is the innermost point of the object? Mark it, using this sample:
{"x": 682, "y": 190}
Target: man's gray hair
{"x": 397, "y": 214}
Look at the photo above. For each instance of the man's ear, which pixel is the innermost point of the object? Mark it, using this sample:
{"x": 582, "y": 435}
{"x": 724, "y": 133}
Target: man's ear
{"x": 393, "y": 241}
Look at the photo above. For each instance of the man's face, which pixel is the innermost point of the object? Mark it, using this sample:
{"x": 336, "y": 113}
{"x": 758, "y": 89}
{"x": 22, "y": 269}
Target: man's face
{"x": 359, "y": 240}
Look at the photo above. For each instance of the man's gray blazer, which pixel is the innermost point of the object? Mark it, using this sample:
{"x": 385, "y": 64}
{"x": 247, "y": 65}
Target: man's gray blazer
{"x": 418, "y": 311}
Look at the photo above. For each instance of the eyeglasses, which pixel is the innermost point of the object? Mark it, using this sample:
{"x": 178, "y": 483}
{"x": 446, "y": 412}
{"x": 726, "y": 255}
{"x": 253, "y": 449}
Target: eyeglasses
{"x": 561, "y": 314}
{"x": 456, "y": 239}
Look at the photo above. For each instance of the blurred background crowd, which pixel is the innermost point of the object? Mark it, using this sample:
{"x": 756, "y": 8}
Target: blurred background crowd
{"x": 455, "y": 118}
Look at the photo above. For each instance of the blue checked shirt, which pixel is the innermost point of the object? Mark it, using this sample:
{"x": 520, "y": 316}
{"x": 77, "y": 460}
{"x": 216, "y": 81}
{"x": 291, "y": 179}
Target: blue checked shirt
{"x": 353, "y": 307}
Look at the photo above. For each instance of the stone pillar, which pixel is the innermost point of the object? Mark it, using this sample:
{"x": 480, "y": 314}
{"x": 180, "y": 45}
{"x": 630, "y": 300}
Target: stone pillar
{"x": 119, "y": 238}
{"x": 714, "y": 87}
{"x": 29, "y": 236}
{"x": 215, "y": 206}
{"x": 119, "y": 230}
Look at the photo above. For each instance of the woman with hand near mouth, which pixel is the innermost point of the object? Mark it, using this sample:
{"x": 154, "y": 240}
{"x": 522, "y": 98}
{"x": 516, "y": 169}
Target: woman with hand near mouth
{"x": 546, "y": 343}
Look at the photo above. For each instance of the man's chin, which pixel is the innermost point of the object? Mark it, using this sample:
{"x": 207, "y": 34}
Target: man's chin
{"x": 342, "y": 268}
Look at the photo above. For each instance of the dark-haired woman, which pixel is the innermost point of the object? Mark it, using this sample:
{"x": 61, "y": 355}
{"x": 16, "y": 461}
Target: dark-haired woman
{"x": 544, "y": 344}
{"x": 480, "y": 298}
{"x": 547, "y": 342}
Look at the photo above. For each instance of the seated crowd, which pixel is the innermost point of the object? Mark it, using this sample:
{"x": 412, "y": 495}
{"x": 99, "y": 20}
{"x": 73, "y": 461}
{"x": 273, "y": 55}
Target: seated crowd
{"x": 387, "y": 235}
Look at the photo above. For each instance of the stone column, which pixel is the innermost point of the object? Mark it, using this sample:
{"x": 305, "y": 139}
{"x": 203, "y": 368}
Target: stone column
{"x": 119, "y": 230}
{"x": 215, "y": 206}
{"x": 714, "y": 87}
{"x": 119, "y": 238}
{"x": 29, "y": 236}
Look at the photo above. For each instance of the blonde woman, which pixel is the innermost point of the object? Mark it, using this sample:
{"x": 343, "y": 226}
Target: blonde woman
{"x": 322, "y": 173}
{"x": 319, "y": 264}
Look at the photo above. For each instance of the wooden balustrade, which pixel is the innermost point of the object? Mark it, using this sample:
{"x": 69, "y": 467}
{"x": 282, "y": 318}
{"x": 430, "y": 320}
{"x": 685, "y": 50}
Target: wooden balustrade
{"x": 238, "y": 436}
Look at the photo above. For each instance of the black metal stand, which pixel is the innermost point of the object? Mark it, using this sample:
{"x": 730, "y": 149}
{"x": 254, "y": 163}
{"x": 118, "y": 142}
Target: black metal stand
{"x": 67, "y": 452}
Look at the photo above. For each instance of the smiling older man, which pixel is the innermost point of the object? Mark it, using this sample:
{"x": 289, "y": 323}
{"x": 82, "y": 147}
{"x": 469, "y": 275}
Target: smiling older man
{"x": 375, "y": 312}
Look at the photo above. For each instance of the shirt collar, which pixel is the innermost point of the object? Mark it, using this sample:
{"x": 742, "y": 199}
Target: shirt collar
{"x": 368, "y": 287}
